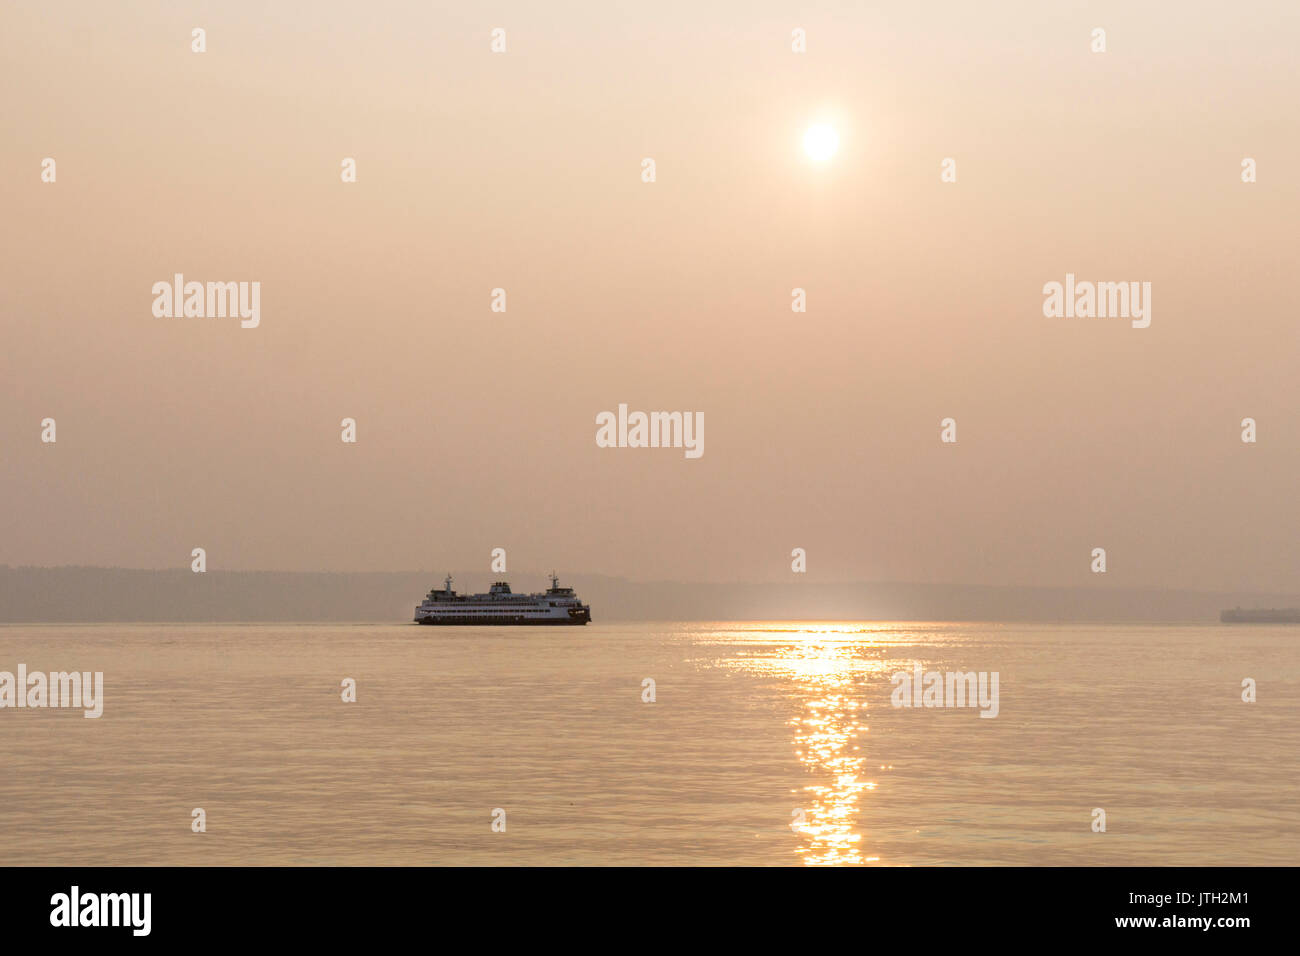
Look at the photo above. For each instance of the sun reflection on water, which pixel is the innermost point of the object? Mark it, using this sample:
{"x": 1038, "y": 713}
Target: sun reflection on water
{"x": 829, "y": 667}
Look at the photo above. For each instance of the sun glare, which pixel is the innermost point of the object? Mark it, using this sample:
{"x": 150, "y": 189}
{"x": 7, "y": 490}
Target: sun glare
{"x": 820, "y": 142}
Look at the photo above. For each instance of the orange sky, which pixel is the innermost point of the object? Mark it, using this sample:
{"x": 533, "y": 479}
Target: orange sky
{"x": 522, "y": 170}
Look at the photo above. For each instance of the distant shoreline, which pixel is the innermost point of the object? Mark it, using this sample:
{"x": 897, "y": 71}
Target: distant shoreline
{"x": 89, "y": 595}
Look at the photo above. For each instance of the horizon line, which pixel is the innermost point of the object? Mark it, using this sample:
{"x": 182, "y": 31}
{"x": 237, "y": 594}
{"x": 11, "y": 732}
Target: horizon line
{"x": 674, "y": 581}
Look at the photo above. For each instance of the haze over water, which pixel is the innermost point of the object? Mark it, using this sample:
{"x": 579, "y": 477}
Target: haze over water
{"x": 522, "y": 171}
{"x": 751, "y": 722}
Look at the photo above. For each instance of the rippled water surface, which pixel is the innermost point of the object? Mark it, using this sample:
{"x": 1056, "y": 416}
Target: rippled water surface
{"x": 767, "y": 743}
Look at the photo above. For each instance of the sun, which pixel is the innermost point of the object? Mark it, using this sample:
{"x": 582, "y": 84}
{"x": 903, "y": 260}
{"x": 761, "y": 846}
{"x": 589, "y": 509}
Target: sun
{"x": 820, "y": 142}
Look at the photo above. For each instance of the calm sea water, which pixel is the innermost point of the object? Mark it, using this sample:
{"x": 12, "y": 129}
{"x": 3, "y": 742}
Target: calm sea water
{"x": 751, "y": 724}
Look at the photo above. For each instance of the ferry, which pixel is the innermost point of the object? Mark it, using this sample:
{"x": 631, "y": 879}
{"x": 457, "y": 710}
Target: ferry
{"x": 500, "y": 606}
{"x": 1268, "y": 615}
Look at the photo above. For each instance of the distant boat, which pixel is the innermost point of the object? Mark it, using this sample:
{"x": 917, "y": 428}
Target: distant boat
{"x": 1269, "y": 615}
{"x": 500, "y": 606}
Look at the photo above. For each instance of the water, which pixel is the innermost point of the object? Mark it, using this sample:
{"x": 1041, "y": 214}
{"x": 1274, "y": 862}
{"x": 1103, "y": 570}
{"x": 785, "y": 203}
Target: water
{"x": 752, "y": 723}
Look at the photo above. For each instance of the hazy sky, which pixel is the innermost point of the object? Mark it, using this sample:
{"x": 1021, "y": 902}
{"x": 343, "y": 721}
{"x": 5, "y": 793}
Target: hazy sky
{"x": 522, "y": 170}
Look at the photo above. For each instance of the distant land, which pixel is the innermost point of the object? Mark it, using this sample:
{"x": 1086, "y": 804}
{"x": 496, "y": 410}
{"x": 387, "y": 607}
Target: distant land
{"x": 87, "y": 594}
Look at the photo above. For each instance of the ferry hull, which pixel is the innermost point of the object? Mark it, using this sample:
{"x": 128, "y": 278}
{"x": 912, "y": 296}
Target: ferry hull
{"x": 452, "y": 620}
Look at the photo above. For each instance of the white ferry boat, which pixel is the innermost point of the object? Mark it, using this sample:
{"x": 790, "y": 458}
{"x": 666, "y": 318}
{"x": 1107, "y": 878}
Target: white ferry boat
{"x": 500, "y": 606}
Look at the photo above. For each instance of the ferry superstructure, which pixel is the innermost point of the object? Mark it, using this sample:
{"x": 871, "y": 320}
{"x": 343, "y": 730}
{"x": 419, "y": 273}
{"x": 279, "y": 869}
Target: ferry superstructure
{"x": 502, "y": 607}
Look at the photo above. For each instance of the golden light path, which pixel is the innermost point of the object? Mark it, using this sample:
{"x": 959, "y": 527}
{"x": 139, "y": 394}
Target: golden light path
{"x": 830, "y": 670}
{"x": 825, "y": 740}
